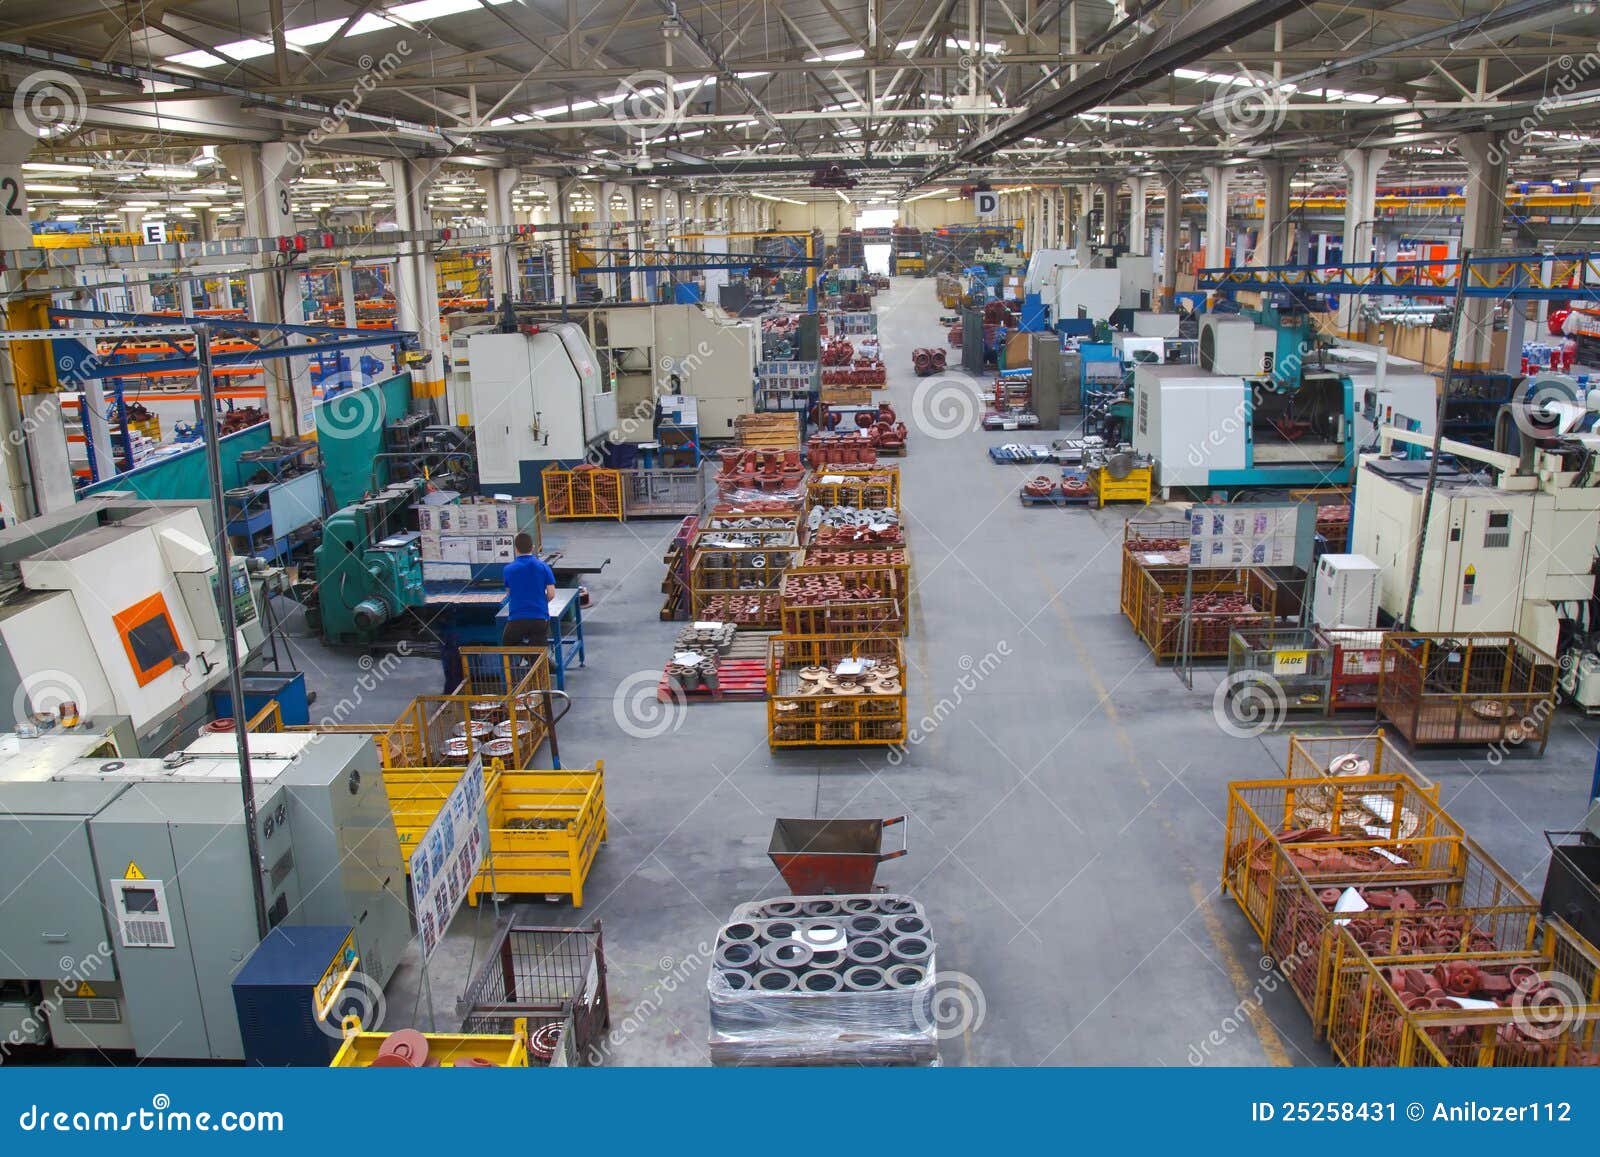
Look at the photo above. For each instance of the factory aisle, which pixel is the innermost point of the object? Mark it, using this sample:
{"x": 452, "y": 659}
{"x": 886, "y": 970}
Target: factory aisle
{"x": 1065, "y": 795}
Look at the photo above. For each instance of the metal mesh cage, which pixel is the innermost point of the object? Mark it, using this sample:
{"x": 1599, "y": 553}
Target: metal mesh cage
{"x": 548, "y": 975}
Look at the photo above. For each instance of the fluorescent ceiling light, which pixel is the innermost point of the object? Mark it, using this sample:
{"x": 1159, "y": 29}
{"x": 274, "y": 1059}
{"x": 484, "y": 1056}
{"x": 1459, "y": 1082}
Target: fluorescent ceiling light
{"x": 313, "y": 34}
{"x": 49, "y": 188}
{"x": 170, "y": 173}
{"x": 371, "y": 184}
{"x": 307, "y": 35}
{"x": 69, "y": 218}
{"x": 52, "y": 167}
{"x": 81, "y": 202}
{"x": 141, "y": 204}
{"x": 197, "y": 204}
{"x": 330, "y": 181}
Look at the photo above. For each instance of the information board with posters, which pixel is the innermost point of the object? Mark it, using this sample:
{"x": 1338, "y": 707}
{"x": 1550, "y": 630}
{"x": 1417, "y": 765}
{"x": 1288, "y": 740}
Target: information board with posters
{"x": 448, "y": 856}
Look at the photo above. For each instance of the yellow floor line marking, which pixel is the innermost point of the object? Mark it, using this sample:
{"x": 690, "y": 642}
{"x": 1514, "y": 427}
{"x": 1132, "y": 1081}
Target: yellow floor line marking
{"x": 1249, "y": 1000}
{"x": 1271, "y": 1043}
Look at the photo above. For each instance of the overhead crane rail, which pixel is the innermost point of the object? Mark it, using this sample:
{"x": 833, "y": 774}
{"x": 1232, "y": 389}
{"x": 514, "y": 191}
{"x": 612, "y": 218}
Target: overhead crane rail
{"x": 1503, "y": 277}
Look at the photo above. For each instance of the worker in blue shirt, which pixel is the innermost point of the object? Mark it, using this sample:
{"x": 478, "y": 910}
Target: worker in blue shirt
{"x": 530, "y": 586}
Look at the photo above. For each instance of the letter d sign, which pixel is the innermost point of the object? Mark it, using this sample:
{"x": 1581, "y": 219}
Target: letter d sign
{"x": 985, "y": 204}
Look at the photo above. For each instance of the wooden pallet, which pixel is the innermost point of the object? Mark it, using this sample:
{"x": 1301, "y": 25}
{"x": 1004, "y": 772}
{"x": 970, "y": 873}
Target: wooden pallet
{"x": 778, "y": 430}
{"x": 1055, "y": 500}
{"x": 749, "y": 645}
{"x": 740, "y": 680}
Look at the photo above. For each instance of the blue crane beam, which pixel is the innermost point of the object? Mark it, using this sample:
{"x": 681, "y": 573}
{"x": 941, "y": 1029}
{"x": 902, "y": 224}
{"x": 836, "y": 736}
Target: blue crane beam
{"x": 1504, "y": 277}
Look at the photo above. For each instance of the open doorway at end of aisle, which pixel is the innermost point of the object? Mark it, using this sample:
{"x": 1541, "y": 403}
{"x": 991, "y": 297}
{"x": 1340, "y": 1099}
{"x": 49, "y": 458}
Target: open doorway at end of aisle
{"x": 877, "y": 258}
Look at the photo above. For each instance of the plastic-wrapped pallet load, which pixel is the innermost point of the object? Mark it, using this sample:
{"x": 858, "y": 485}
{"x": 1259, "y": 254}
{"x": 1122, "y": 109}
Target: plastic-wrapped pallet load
{"x": 824, "y": 980}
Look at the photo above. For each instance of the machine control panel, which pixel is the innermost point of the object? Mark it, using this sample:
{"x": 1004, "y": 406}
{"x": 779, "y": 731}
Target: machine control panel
{"x": 330, "y": 987}
{"x": 143, "y": 919}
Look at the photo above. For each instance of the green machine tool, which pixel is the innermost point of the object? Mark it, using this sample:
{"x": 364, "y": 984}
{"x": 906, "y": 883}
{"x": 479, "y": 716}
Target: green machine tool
{"x": 369, "y": 565}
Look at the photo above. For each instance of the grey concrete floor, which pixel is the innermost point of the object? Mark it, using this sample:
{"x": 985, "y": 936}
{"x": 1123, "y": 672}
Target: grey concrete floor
{"x": 1065, "y": 803}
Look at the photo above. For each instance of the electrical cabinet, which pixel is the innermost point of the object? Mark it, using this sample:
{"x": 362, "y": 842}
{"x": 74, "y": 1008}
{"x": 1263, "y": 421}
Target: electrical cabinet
{"x": 1480, "y": 566}
{"x": 1346, "y": 592}
{"x": 131, "y": 906}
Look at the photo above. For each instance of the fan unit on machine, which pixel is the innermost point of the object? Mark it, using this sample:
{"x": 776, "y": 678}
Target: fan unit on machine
{"x": 832, "y": 177}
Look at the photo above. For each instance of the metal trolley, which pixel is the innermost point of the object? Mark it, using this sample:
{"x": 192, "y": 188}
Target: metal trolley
{"x": 555, "y": 979}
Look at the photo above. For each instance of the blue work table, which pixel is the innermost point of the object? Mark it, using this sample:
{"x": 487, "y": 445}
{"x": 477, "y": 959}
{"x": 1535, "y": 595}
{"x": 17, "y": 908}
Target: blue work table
{"x": 566, "y": 632}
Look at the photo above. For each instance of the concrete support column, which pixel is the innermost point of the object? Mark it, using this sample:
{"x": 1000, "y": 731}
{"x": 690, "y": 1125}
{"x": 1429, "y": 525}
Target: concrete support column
{"x": 1541, "y": 314}
{"x": 1171, "y": 222}
{"x": 1482, "y": 227}
{"x": 1110, "y": 222}
{"x": 497, "y": 187}
{"x": 1138, "y": 229}
{"x": 630, "y": 286}
{"x": 265, "y": 174}
{"x": 1081, "y": 237}
{"x": 1360, "y": 204}
{"x": 1273, "y": 248}
{"x": 564, "y": 286}
{"x": 602, "y": 228}
{"x": 417, "y": 282}
{"x": 1216, "y": 241}
{"x": 37, "y": 472}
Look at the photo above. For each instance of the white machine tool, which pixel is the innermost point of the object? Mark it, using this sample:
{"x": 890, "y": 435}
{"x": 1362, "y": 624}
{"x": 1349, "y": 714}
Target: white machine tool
{"x": 1389, "y": 391}
{"x": 1042, "y": 271}
{"x": 683, "y": 349}
{"x": 1505, "y": 547}
{"x": 1194, "y": 424}
{"x": 537, "y": 396}
{"x": 1094, "y": 294}
{"x": 112, "y": 610}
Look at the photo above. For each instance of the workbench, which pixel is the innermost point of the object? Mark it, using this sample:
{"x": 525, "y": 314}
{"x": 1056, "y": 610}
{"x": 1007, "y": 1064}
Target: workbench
{"x": 566, "y": 632}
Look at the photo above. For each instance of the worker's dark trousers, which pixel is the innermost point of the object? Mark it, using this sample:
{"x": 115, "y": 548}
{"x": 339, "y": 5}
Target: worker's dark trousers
{"x": 525, "y": 633}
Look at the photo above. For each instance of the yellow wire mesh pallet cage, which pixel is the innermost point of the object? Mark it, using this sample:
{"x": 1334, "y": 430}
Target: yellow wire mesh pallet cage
{"x": 1405, "y": 1013}
{"x": 1470, "y": 688}
{"x": 805, "y": 611}
{"x": 590, "y": 492}
{"x": 809, "y": 705}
